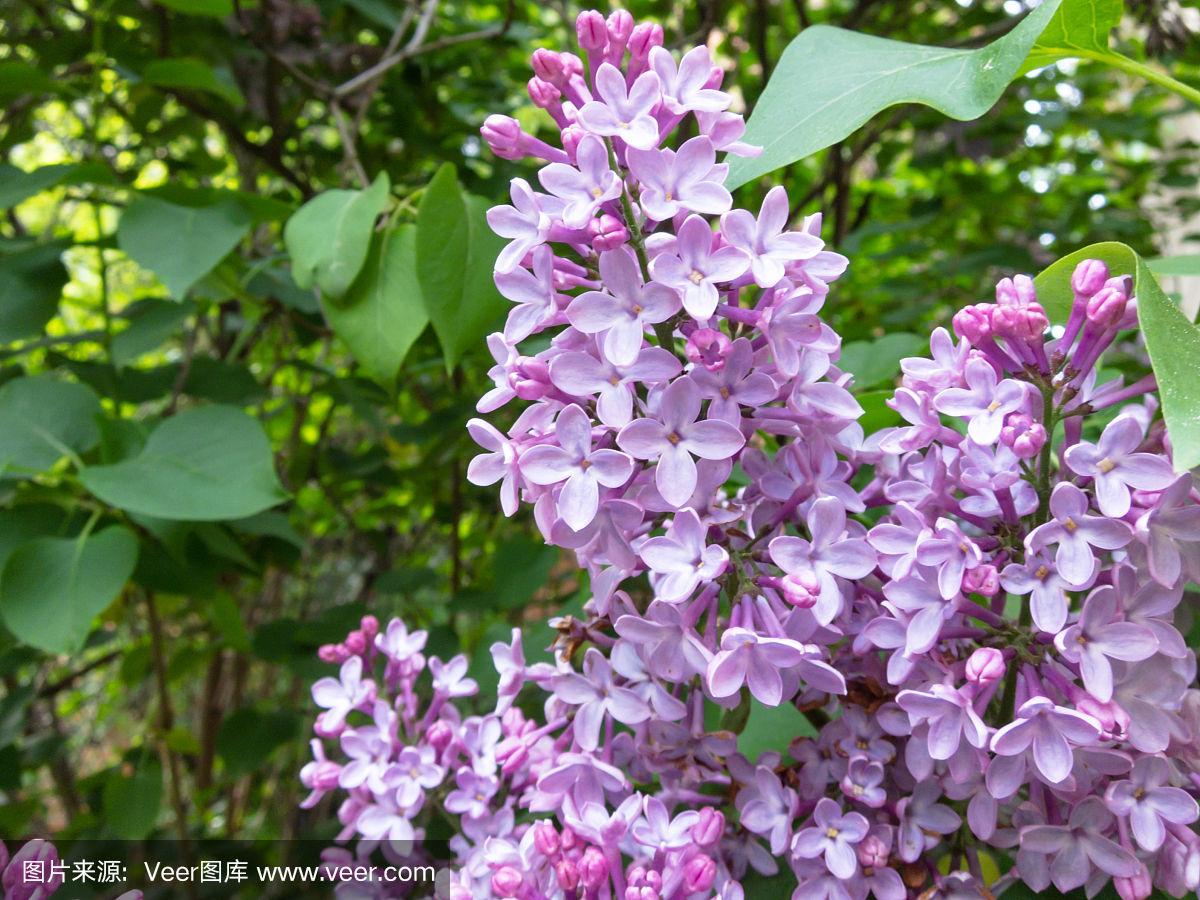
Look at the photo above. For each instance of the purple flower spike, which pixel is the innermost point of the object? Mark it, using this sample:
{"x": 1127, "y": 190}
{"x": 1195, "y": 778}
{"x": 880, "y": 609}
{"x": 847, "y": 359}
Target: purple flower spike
{"x": 1171, "y": 532}
{"x": 986, "y": 401}
{"x": 1149, "y": 801}
{"x": 833, "y": 835}
{"x": 1076, "y": 533}
{"x": 1050, "y": 730}
{"x": 581, "y": 470}
{"x": 689, "y": 180}
{"x": 680, "y": 560}
{"x": 827, "y": 555}
{"x": 695, "y": 269}
{"x": 624, "y": 313}
{"x": 1079, "y": 845}
{"x": 623, "y": 112}
{"x": 676, "y": 437}
{"x": 764, "y": 239}
{"x": 582, "y": 189}
{"x": 1096, "y": 638}
{"x": 1114, "y": 467}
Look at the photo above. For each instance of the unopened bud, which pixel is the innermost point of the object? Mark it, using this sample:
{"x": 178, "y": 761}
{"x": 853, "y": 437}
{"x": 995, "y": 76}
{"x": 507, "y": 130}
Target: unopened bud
{"x": 710, "y": 827}
{"x": 548, "y": 66}
{"x": 1022, "y": 435}
{"x": 984, "y": 579}
{"x": 985, "y": 666}
{"x": 644, "y": 38}
{"x": 543, "y": 93}
{"x": 699, "y": 874}
{"x": 571, "y": 136}
{"x": 708, "y": 347}
{"x": 974, "y": 323}
{"x": 507, "y": 882}
{"x": 620, "y": 27}
{"x": 1017, "y": 291}
{"x": 801, "y": 589}
{"x": 593, "y": 870}
{"x": 608, "y": 233}
{"x": 1137, "y": 887}
{"x": 356, "y": 643}
{"x": 1089, "y": 276}
{"x": 567, "y": 874}
{"x": 545, "y": 839}
{"x": 1106, "y": 307}
{"x": 439, "y": 735}
{"x": 872, "y": 852}
{"x": 503, "y": 136}
{"x": 333, "y": 653}
{"x": 370, "y": 627}
{"x": 591, "y": 30}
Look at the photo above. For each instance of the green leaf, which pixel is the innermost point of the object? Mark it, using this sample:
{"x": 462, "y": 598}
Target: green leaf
{"x": 31, "y": 282}
{"x": 192, "y": 75}
{"x": 771, "y": 729}
{"x": 830, "y": 81}
{"x": 1079, "y": 28}
{"x": 180, "y": 244}
{"x": 17, "y": 185}
{"x": 456, "y": 252}
{"x": 18, "y": 78}
{"x": 207, "y": 463}
{"x": 23, "y": 523}
{"x": 382, "y": 314}
{"x": 1164, "y": 266}
{"x": 521, "y": 567}
{"x": 151, "y": 322}
{"x": 873, "y": 362}
{"x": 1171, "y": 340}
{"x": 132, "y": 800}
{"x": 42, "y": 420}
{"x": 216, "y": 8}
{"x": 329, "y": 236}
{"x": 249, "y": 736}
{"x": 52, "y": 588}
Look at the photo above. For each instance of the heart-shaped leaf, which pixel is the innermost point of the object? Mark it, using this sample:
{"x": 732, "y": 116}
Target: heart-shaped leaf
{"x": 52, "y": 588}
{"x": 180, "y": 244}
{"x": 207, "y": 463}
{"x": 42, "y": 420}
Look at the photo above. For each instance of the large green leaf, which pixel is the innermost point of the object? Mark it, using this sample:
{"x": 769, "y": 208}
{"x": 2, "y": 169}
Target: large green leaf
{"x": 207, "y": 463}
{"x": 31, "y": 282}
{"x": 830, "y": 81}
{"x": 1079, "y": 28}
{"x": 456, "y": 252}
{"x": 1187, "y": 264}
{"x": 52, "y": 588}
{"x": 216, "y": 8}
{"x": 1171, "y": 340}
{"x": 181, "y": 244}
{"x": 383, "y": 314}
{"x": 151, "y": 322}
{"x": 249, "y": 736}
{"x": 17, "y": 185}
{"x": 873, "y": 362}
{"x": 192, "y": 75}
{"x": 42, "y": 420}
{"x": 329, "y": 236}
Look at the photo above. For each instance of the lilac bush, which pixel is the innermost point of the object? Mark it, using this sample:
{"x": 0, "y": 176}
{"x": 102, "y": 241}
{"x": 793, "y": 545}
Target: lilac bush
{"x": 973, "y": 609}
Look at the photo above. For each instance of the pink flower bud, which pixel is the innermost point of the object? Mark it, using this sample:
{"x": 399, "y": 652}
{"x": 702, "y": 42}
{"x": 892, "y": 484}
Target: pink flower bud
{"x": 699, "y": 874}
{"x": 608, "y": 233}
{"x": 333, "y": 653}
{"x": 636, "y": 876}
{"x": 320, "y": 729}
{"x": 532, "y": 378}
{"x": 593, "y": 870}
{"x": 801, "y": 589}
{"x": 1136, "y": 888}
{"x": 547, "y": 65}
{"x": 1023, "y": 435}
{"x": 439, "y": 735}
{"x": 872, "y": 852}
{"x": 568, "y": 839}
{"x": 503, "y": 136}
{"x": 1107, "y": 306}
{"x": 17, "y": 887}
{"x": 543, "y": 94}
{"x": 567, "y": 874}
{"x": 507, "y": 882}
{"x": 708, "y": 347}
{"x": 985, "y": 666}
{"x": 709, "y": 829}
{"x": 1017, "y": 291}
{"x": 356, "y": 643}
{"x": 1089, "y": 276}
{"x": 974, "y": 322}
{"x": 1023, "y": 323}
{"x": 1111, "y": 717}
{"x": 571, "y": 136}
{"x": 644, "y": 38}
{"x": 513, "y": 723}
{"x": 591, "y": 30}
{"x": 572, "y": 64}
{"x": 545, "y": 839}
{"x": 370, "y": 627}
{"x": 512, "y": 754}
{"x": 620, "y": 27}
{"x": 984, "y": 579}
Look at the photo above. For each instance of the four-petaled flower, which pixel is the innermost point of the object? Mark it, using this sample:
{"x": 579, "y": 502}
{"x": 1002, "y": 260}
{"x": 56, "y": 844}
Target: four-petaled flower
{"x": 1076, "y": 533}
{"x": 1115, "y": 467}
{"x": 1097, "y": 637}
{"x": 623, "y": 111}
{"x": 764, "y": 239}
{"x": 687, "y": 180}
{"x": 1079, "y": 845}
{"x": 342, "y": 695}
{"x": 1149, "y": 801}
{"x": 696, "y": 267}
{"x": 1050, "y": 730}
{"x": 595, "y": 695}
{"x": 832, "y": 835}
{"x": 986, "y": 400}
{"x": 681, "y": 560}
{"x": 583, "y": 188}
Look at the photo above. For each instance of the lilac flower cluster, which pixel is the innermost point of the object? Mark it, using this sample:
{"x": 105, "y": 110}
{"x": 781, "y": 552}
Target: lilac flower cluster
{"x": 36, "y": 872}
{"x": 974, "y": 609}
